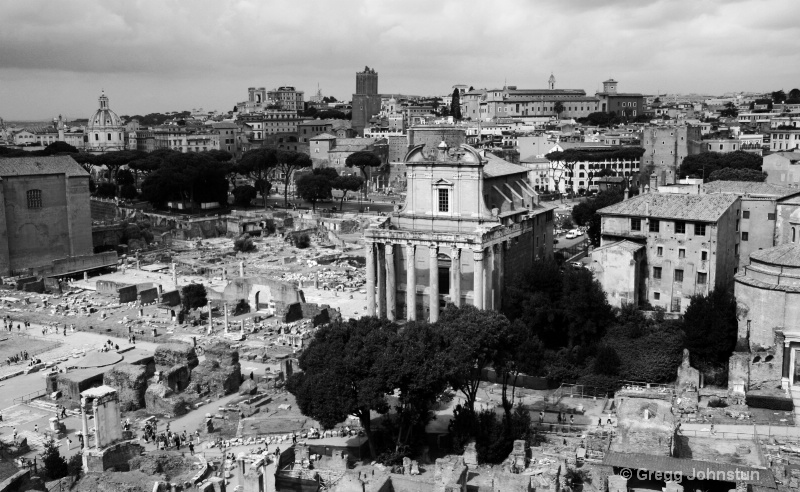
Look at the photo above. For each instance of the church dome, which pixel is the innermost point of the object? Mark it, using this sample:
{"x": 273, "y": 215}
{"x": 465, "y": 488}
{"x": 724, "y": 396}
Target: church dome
{"x": 104, "y": 118}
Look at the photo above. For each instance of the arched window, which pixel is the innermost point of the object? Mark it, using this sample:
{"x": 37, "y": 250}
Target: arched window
{"x": 34, "y": 198}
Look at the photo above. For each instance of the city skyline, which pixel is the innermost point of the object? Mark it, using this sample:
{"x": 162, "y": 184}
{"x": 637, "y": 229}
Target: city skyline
{"x": 153, "y": 57}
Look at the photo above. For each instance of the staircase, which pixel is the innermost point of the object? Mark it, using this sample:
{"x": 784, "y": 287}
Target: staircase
{"x": 49, "y": 406}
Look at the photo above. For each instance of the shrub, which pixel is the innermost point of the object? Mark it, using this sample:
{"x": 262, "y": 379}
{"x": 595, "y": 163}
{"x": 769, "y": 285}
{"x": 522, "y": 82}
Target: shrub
{"x": 301, "y": 241}
{"x": 128, "y": 192}
{"x": 717, "y": 403}
{"x": 242, "y": 307}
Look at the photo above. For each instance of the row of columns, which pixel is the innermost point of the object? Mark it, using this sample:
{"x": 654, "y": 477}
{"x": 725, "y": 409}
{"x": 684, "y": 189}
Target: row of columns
{"x": 382, "y": 280}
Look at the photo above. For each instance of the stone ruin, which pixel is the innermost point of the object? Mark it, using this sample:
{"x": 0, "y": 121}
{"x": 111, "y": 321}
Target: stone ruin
{"x": 131, "y": 382}
{"x": 220, "y": 371}
{"x": 687, "y": 386}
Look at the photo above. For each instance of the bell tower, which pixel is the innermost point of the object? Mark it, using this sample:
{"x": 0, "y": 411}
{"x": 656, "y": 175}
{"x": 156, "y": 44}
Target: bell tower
{"x": 551, "y": 82}
{"x": 103, "y": 100}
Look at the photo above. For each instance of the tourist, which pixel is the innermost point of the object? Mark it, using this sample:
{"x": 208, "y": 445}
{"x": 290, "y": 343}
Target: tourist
{"x": 571, "y": 419}
{"x": 191, "y": 448}
{"x": 36, "y": 428}
{"x": 15, "y": 434}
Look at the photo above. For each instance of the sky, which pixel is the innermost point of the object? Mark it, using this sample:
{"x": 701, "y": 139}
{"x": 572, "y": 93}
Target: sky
{"x": 173, "y": 55}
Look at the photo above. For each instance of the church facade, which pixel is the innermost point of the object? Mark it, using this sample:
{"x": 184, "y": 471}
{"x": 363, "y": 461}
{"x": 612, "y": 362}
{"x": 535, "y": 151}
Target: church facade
{"x": 469, "y": 221}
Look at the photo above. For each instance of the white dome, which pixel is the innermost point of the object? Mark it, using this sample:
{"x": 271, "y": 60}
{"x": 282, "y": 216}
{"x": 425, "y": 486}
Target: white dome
{"x": 104, "y": 118}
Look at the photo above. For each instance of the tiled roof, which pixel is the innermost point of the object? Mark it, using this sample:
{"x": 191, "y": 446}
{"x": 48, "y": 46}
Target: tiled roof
{"x": 748, "y": 188}
{"x": 704, "y": 208}
{"x": 533, "y": 159}
{"x": 323, "y": 136}
{"x": 28, "y": 166}
{"x": 784, "y": 255}
{"x": 689, "y": 467}
{"x": 496, "y": 167}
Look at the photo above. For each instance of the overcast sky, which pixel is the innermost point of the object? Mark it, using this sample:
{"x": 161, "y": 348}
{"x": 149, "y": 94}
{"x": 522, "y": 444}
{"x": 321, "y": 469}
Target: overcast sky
{"x": 162, "y": 55}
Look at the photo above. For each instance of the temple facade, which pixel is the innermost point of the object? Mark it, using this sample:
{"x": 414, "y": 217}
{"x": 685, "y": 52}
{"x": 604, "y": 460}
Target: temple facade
{"x": 469, "y": 221}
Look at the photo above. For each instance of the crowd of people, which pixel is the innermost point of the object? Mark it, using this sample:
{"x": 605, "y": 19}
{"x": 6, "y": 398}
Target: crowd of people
{"x": 168, "y": 439}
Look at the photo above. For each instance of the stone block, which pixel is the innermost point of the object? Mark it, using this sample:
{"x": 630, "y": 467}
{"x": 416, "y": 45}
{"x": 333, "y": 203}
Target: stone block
{"x": 177, "y": 377}
{"x": 35, "y": 286}
{"x": 617, "y": 483}
{"x": 210, "y": 374}
{"x": 688, "y": 376}
{"x": 171, "y": 298}
{"x": 471, "y": 455}
{"x": 127, "y": 294}
{"x": 149, "y": 295}
{"x": 130, "y": 381}
{"x": 222, "y": 353}
{"x": 248, "y": 387}
{"x": 20, "y": 283}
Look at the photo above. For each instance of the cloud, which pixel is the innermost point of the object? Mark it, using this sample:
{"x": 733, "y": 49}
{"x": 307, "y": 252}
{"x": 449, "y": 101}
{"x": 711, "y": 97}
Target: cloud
{"x": 161, "y": 55}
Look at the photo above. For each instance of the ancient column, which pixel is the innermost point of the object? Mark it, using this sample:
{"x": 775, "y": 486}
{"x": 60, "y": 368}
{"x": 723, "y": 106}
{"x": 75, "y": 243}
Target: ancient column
{"x": 241, "y": 269}
{"x": 96, "y": 429}
{"x": 787, "y": 357}
{"x": 225, "y": 310}
{"x": 501, "y": 256}
{"x": 391, "y": 286}
{"x": 380, "y": 267}
{"x": 175, "y": 276}
{"x": 488, "y": 280}
{"x": 223, "y": 274}
{"x": 370, "y": 256}
{"x": 477, "y": 279}
{"x": 411, "y": 282}
{"x": 85, "y": 430}
{"x": 455, "y": 276}
{"x": 433, "y": 250}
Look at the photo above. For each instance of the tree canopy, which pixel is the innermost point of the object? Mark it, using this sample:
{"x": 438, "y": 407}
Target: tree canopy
{"x": 313, "y": 188}
{"x": 257, "y": 164}
{"x": 347, "y": 183}
{"x": 342, "y": 373}
{"x": 585, "y": 212}
{"x": 193, "y": 296}
{"x": 287, "y": 162}
{"x": 731, "y": 174}
{"x": 190, "y": 177}
{"x": 703, "y": 164}
{"x": 455, "y": 105}
{"x": 579, "y": 155}
{"x": 362, "y": 160}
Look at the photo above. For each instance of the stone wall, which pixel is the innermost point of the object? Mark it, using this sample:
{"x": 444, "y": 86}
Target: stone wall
{"x": 175, "y": 353}
{"x": 127, "y": 294}
{"x": 171, "y": 298}
{"x": 148, "y": 295}
{"x": 220, "y": 371}
{"x": 130, "y": 381}
{"x": 117, "y": 456}
{"x": 177, "y": 377}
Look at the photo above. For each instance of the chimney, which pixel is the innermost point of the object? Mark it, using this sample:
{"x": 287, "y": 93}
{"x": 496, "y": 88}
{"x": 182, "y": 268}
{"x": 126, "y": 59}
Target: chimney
{"x": 653, "y": 183}
{"x": 625, "y": 194}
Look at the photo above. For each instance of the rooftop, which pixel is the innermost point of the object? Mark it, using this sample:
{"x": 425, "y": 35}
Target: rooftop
{"x": 496, "y": 167}
{"x": 748, "y": 188}
{"x": 624, "y": 244}
{"x": 30, "y": 166}
{"x": 703, "y": 208}
{"x": 784, "y": 255}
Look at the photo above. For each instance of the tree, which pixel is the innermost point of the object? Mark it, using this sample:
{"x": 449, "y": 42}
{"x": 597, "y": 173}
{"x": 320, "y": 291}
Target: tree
{"x": 473, "y": 338}
{"x": 192, "y": 177}
{"x": 244, "y": 244}
{"x": 703, "y": 164}
{"x": 193, "y": 296}
{"x": 287, "y": 162}
{"x": 219, "y": 155}
{"x": 730, "y": 111}
{"x": 313, "y": 188}
{"x": 128, "y": 191}
{"x": 106, "y": 190}
{"x": 342, "y": 373}
{"x": 257, "y": 164}
{"x": 558, "y": 107}
{"x": 585, "y": 212}
{"x": 60, "y": 148}
{"x": 778, "y": 96}
{"x": 711, "y": 326}
{"x": 55, "y": 466}
{"x": 417, "y": 373}
{"x": 794, "y": 96}
{"x": 362, "y": 160}
{"x": 455, "y": 105}
{"x": 243, "y": 195}
{"x": 731, "y": 174}
{"x": 520, "y": 352}
{"x": 347, "y": 183}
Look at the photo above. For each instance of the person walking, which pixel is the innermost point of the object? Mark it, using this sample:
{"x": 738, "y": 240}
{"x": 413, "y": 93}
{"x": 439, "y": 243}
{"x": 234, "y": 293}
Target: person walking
{"x": 191, "y": 448}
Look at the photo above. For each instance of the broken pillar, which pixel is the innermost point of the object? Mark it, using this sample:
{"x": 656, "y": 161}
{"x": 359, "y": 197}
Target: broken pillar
{"x": 241, "y": 269}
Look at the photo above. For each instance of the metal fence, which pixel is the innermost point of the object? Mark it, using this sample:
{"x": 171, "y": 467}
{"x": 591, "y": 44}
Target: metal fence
{"x": 577, "y": 391}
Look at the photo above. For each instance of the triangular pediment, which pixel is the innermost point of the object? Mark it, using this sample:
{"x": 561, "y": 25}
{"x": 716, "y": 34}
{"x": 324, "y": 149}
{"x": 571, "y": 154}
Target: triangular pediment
{"x": 443, "y": 182}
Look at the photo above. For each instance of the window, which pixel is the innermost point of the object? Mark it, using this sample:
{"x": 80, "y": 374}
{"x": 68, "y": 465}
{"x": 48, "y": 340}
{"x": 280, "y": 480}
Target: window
{"x": 656, "y": 296}
{"x": 746, "y": 214}
{"x": 653, "y": 225}
{"x": 702, "y": 278}
{"x": 745, "y": 236}
{"x": 444, "y": 200}
{"x": 680, "y": 227}
{"x": 681, "y": 253}
{"x": 660, "y": 251}
{"x": 704, "y": 256}
{"x": 676, "y": 304}
{"x": 34, "y": 198}
{"x": 770, "y": 216}
{"x": 678, "y": 275}
{"x": 656, "y": 272}
{"x": 699, "y": 229}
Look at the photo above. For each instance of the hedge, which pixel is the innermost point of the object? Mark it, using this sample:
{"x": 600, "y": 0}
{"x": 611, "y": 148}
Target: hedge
{"x": 770, "y": 402}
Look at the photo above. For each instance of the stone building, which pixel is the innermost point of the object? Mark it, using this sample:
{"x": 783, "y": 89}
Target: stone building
{"x": 288, "y": 98}
{"x": 366, "y": 101}
{"x": 768, "y": 296}
{"x": 465, "y": 212}
{"x": 44, "y": 212}
{"x": 105, "y": 131}
{"x": 690, "y": 243}
{"x": 665, "y": 147}
{"x": 782, "y": 168}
